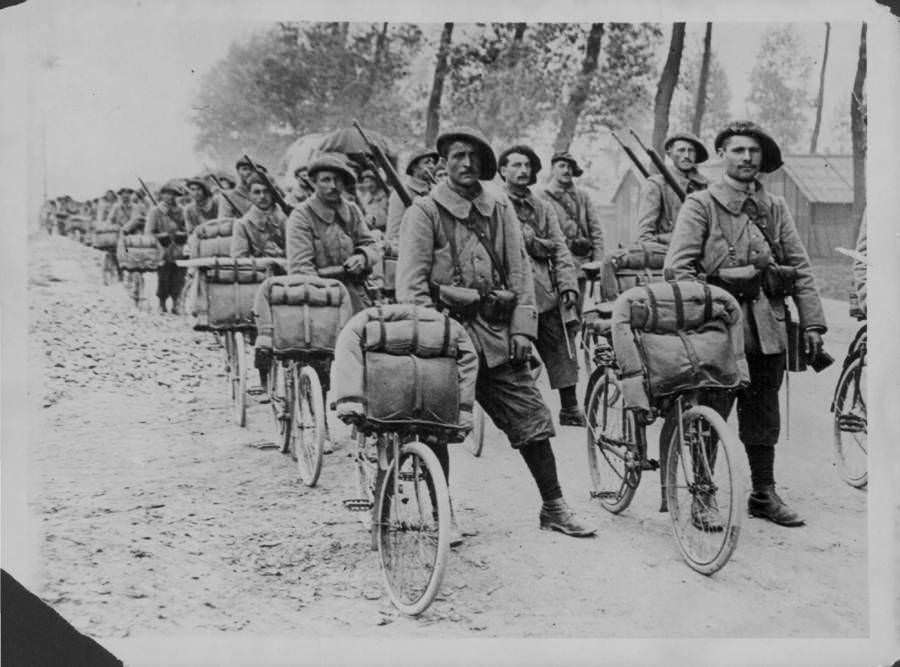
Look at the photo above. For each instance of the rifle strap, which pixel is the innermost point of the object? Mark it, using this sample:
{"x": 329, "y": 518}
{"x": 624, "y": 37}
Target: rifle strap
{"x": 450, "y": 233}
{"x": 474, "y": 224}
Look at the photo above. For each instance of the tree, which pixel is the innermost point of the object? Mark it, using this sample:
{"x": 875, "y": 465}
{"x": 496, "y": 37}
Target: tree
{"x": 432, "y": 122}
{"x": 813, "y": 143}
{"x": 717, "y": 102}
{"x": 580, "y": 90}
{"x": 666, "y": 87}
{"x": 700, "y": 103}
{"x": 778, "y": 98}
{"x": 858, "y": 130}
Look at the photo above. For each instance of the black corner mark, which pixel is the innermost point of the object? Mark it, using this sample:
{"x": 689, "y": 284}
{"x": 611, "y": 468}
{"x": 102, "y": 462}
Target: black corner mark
{"x": 894, "y": 6}
{"x": 9, "y": 3}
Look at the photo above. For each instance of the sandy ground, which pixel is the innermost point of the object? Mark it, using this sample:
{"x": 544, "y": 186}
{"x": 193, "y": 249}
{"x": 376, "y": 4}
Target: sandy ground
{"x": 159, "y": 516}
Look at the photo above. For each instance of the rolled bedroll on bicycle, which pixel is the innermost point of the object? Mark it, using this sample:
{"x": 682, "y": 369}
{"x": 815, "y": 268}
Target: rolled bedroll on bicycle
{"x": 137, "y": 254}
{"x": 404, "y": 376}
{"x": 298, "y": 320}
{"x": 666, "y": 349}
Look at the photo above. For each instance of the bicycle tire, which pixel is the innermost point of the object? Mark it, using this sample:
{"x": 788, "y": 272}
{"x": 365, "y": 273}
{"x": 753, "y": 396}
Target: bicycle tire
{"x": 475, "y": 439}
{"x": 853, "y": 424}
{"x": 238, "y": 378}
{"x": 308, "y": 425}
{"x": 720, "y": 485}
{"x": 280, "y": 390}
{"x": 414, "y": 481}
{"x": 613, "y": 444}
{"x": 109, "y": 269}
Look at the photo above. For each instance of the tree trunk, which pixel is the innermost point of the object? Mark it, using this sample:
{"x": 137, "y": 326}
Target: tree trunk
{"x": 580, "y": 90}
{"x": 666, "y": 87}
{"x": 700, "y": 104}
{"x": 814, "y": 142}
{"x": 433, "y": 115}
{"x": 858, "y": 132}
{"x": 374, "y": 68}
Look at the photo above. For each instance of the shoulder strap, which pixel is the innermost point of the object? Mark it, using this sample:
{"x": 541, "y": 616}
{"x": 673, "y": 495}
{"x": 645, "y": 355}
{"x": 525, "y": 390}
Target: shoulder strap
{"x": 450, "y": 233}
{"x": 679, "y": 306}
{"x": 650, "y": 324}
{"x": 776, "y": 253}
{"x": 489, "y": 247}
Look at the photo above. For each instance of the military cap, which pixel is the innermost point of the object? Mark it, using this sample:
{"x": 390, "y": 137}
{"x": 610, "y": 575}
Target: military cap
{"x": 771, "y": 153}
{"x": 172, "y": 186}
{"x": 242, "y": 161}
{"x": 702, "y": 153}
{"x": 566, "y": 156}
{"x": 488, "y": 161}
{"x": 199, "y": 180}
{"x": 124, "y": 190}
{"x": 300, "y": 168}
{"x": 528, "y": 152}
{"x": 367, "y": 173}
{"x": 420, "y": 154}
{"x": 333, "y": 162}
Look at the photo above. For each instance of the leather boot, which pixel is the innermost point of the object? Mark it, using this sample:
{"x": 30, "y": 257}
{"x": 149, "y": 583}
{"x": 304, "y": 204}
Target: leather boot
{"x": 572, "y": 417}
{"x": 557, "y": 515}
{"x": 767, "y": 504}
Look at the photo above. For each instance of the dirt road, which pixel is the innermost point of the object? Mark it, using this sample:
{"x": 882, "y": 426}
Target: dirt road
{"x": 159, "y": 516}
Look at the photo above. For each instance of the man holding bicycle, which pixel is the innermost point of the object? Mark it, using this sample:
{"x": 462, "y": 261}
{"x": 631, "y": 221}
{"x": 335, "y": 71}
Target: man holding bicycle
{"x": 166, "y": 222}
{"x": 461, "y": 251}
{"x": 742, "y": 238}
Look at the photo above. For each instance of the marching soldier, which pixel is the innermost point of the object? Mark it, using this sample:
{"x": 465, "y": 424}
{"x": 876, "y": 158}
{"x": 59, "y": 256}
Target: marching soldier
{"x": 203, "y": 206}
{"x": 260, "y": 231}
{"x": 461, "y": 250}
{"x": 659, "y": 205}
{"x": 166, "y": 222}
{"x": 420, "y": 170}
{"x": 105, "y": 205}
{"x": 123, "y": 210}
{"x": 236, "y": 201}
{"x": 327, "y": 235}
{"x": 738, "y": 235}
{"x": 555, "y": 284}
{"x": 575, "y": 212}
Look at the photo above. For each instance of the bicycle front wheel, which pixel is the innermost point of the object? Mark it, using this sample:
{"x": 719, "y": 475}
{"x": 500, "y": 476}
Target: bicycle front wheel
{"x": 308, "y": 425}
{"x": 237, "y": 364}
{"x": 475, "y": 439}
{"x": 706, "y": 488}
{"x": 613, "y": 443}
{"x": 280, "y": 390}
{"x": 413, "y": 528}
{"x": 851, "y": 425}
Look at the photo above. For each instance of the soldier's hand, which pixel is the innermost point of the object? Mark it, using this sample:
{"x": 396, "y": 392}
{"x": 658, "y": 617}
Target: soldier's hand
{"x": 570, "y": 298}
{"x": 812, "y": 344}
{"x": 519, "y": 348}
{"x": 355, "y": 263}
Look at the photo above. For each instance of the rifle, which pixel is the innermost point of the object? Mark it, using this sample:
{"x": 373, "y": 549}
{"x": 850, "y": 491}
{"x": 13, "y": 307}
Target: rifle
{"x": 221, "y": 189}
{"x": 554, "y": 282}
{"x": 630, "y": 153}
{"x": 147, "y": 191}
{"x": 384, "y": 163}
{"x": 661, "y": 166}
{"x": 286, "y": 208}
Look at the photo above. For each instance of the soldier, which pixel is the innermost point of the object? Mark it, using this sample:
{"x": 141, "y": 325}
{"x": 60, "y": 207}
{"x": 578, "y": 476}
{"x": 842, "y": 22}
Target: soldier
{"x": 236, "y": 201}
{"x": 123, "y": 210}
{"x": 260, "y": 231}
{"x": 659, "y": 205}
{"x": 735, "y": 223}
{"x": 373, "y": 200}
{"x": 166, "y": 222}
{"x": 302, "y": 189}
{"x": 327, "y": 235}
{"x": 104, "y": 206}
{"x": 419, "y": 169}
{"x": 555, "y": 283}
{"x": 457, "y": 241}
{"x": 575, "y": 212}
{"x": 203, "y": 206}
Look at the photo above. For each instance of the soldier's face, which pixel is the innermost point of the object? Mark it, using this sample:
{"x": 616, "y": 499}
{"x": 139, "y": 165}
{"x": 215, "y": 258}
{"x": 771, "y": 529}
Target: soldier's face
{"x": 423, "y": 167}
{"x": 463, "y": 164}
{"x": 517, "y": 170}
{"x": 683, "y": 154}
{"x": 743, "y": 156}
{"x": 301, "y": 178}
{"x": 329, "y": 186}
{"x": 197, "y": 193}
{"x": 244, "y": 172}
{"x": 168, "y": 197}
{"x": 562, "y": 171}
{"x": 260, "y": 196}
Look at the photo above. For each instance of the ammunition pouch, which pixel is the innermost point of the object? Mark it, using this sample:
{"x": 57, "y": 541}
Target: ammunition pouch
{"x": 462, "y": 303}
{"x": 497, "y": 306}
{"x": 778, "y": 280}
{"x": 539, "y": 248}
{"x": 742, "y": 282}
{"x": 581, "y": 246}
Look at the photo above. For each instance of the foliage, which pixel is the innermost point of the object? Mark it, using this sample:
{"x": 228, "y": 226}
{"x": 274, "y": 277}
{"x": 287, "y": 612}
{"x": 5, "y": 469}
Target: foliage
{"x": 779, "y": 97}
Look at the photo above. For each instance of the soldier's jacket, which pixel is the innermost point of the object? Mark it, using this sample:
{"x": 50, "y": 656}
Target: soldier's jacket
{"x": 659, "y": 205}
{"x": 375, "y": 209}
{"x": 103, "y": 210}
{"x": 259, "y": 233}
{"x": 859, "y": 268}
{"x": 120, "y": 214}
{"x": 416, "y": 188}
{"x": 425, "y": 261}
{"x": 239, "y": 198}
{"x": 576, "y": 216}
{"x": 196, "y": 214}
{"x": 162, "y": 219}
{"x": 542, "y": 235}
{"x": 712, "y": 221}
{"x": 319, "y": 237}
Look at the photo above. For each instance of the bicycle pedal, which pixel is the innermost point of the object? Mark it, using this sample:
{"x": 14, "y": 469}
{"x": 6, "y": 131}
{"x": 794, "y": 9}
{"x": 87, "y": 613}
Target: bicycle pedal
{"x": 600, "y": 495}
{"x": 650, "y": 464}
{"x": 357, "y": 504}
{"x": 852, "y": 423}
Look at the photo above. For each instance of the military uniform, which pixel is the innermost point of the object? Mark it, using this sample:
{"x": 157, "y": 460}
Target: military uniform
{"x": 659, "y": 205}
{"x": 259, "y": 233}
{"x": 375, "y": 208}
{"x": 120, "y": 214}
{"x": 234, "y": 203}
{"x": 416, "y": 187}
{"x": 163, "y": 219}
{"x": 195, "y": 214}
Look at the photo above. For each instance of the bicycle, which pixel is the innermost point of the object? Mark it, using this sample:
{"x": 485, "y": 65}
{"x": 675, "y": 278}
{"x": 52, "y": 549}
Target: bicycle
{"x": 401, "y": 483}
{"x": 704, "y": 466}
{"x": 850, "y": 418}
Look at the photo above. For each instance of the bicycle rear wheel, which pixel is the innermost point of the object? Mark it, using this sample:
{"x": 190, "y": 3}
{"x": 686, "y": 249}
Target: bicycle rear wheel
{"x": 475, "y": 439}
{"x": 706, "y": 488}
{"x": 308, "y": 425}
{"x": 280, "y": 390}
{"x": 110, "y": 271}
{"x": 413, "y": 528}
{"x": 613, "y": 443}
{"x": 237, "y": 375}
{"x": 850, "y": 425}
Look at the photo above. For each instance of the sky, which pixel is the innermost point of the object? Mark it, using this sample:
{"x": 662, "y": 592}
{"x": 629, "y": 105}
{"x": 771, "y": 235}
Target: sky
{"x": 111, "y": 94}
